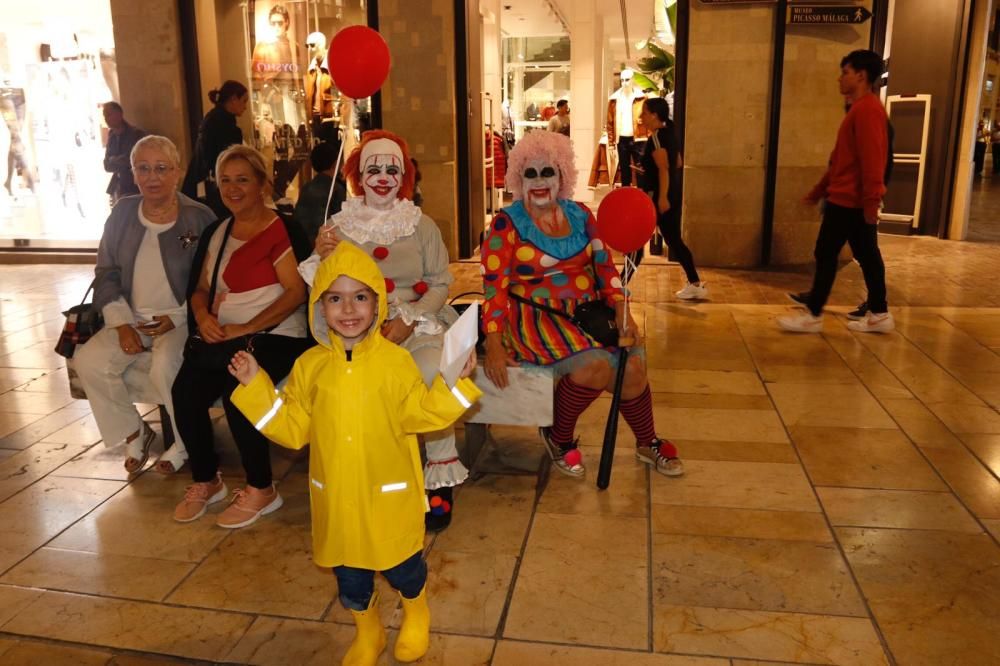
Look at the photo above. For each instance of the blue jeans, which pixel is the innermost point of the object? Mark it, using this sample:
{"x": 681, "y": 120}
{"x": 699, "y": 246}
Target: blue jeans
{"x": 358, "y": 585}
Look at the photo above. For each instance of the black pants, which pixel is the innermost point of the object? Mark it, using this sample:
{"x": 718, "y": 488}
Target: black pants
{"x": 979, "y": 157}
{"x": 628, "y": 153}
{"x": 847, "y": 225}
{"x": 194, "y": 391}
{"x": 670, "y": 228}
{"x": 996, "y": 157}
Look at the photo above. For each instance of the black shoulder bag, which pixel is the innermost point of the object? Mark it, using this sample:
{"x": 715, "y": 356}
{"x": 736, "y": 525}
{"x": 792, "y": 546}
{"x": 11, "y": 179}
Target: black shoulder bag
{"x": 216, "y": 356}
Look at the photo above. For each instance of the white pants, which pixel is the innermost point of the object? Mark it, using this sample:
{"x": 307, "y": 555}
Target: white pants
{"x": 443, "y": 468}
{"x": 101, "y": 365}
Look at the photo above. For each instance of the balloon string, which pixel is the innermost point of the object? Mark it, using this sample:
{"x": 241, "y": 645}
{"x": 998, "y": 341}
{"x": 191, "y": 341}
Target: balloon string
{"x": 333, "y": 183}
{"x": 628, "y": 272}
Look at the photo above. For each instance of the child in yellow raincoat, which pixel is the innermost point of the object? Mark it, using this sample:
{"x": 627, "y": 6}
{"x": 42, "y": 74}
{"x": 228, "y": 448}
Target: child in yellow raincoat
{"x": 359, "y": 400}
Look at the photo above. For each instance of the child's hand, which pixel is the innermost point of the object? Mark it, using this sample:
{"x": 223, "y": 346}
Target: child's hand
{"x": 243, "y": 366}
{"x": 470, "y": 365}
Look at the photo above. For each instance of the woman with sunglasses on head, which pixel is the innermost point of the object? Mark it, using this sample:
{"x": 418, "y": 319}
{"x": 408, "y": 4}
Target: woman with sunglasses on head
{"x": 143, "y": 266}
{"x": 542, "y": 254}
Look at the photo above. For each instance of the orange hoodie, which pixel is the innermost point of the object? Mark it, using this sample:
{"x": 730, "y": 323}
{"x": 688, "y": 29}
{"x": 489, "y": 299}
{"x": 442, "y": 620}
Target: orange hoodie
{"x": 857, "y": 163}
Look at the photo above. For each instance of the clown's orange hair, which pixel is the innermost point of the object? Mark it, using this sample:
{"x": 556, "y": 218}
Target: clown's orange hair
{"x": 352, "y": 167}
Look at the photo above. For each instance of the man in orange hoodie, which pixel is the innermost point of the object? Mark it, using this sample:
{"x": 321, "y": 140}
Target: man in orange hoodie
{"x": 852, "y": 187}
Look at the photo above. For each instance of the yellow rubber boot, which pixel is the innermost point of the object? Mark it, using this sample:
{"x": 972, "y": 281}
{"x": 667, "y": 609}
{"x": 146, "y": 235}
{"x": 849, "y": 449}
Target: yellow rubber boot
{"x": 369, "y": 636}
{"x": 415, "y": 634}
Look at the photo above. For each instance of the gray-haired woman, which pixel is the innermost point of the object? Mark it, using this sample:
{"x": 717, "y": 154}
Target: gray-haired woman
{"x": 143, "y": 266}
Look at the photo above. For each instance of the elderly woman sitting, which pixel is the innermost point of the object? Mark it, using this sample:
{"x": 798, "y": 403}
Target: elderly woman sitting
{"x": 143, "y": 266}
{"x": 543, "y": 250}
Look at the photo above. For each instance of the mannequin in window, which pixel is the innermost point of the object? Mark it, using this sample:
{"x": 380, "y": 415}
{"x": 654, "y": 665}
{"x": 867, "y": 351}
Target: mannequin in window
{"x": 322, "y": 104}
{"x": 625, "y": 129}
{"x": 276, "y": 72}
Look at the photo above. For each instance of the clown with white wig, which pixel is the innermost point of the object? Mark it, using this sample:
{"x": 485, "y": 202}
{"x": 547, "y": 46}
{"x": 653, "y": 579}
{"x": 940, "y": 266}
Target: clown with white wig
{"x": 381, "y": 218}
{"x": 543, "y": 254}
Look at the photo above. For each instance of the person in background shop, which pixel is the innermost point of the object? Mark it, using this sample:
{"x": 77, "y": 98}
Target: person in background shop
{"x": 853, "y": 187}
{"x": 218, "y": 131}
{"x": 121, "y": 138}
{"x": 311, "y": 210}
{"x": 143, "y": 265}
{"x": 406, "y": 244}
{"x": 995, "y": 142}
{"x": 560, "y": 121}
{"x": 366, "y": 496}
{"x": 979, "y": 153}
{"x": 549, "y": 111}
{"x": 658, "y": 175}
{"x": 543, "y": 251}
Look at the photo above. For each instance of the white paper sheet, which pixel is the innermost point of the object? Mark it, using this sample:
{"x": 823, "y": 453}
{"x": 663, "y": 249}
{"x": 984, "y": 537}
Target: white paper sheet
{"x": 459, "y": 341}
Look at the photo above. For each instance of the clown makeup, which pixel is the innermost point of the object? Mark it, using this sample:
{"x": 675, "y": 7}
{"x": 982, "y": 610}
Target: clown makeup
{"x": 540, "y": 183}
{"x": 381, "y": 173}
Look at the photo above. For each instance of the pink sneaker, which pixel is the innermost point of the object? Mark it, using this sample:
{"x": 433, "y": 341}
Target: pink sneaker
{"x": 197, "y": 498}
{"x": 248, "y": 505}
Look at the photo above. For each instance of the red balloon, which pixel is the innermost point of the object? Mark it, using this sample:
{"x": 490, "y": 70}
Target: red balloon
{"x": 359, "y": 61}
{"x": 626, "y": 219}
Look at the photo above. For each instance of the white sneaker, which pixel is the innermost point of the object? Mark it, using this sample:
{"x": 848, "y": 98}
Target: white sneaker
{"x": 693, "y": 292}
{"x": 874, "y": 323}
{"x": 802, "y": 322}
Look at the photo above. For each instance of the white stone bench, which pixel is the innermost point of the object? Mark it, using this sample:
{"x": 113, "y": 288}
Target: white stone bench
{"x": 527, "y": 401}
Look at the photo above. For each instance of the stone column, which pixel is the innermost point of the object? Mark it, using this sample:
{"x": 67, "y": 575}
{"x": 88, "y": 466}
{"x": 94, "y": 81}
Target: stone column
{"x": 150, "y": 70}
{"x": 586, "y": 101}
{"x": 418, "y": 100}
{"x": 729, "y": 73}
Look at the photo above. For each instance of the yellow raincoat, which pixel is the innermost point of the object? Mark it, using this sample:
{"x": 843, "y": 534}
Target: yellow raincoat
{"x": 366, "y": 485}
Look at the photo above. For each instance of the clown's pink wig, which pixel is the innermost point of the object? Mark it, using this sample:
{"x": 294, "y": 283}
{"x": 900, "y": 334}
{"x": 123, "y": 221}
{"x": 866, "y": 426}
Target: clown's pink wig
{"x": 552, "y": 147}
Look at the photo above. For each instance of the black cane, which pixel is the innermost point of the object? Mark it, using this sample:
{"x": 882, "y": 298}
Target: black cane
{"x": 611, "y": 429}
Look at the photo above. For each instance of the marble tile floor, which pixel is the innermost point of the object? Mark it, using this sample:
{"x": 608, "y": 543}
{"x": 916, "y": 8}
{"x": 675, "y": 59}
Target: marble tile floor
{"x": 841, "y": 506}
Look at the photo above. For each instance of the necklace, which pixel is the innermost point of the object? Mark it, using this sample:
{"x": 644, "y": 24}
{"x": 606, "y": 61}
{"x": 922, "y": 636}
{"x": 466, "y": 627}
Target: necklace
{"x": 163, "y": 212}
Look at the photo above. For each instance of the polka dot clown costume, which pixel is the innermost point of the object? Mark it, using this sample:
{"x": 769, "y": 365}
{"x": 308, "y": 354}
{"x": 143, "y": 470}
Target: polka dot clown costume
{"x": 381, "y": 219}
{"x": 544, "y": 249}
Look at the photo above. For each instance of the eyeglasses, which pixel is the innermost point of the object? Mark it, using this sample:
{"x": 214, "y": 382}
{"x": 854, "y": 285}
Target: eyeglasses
{"x": 144, "y": 170}
{"x": 547, "y": 172}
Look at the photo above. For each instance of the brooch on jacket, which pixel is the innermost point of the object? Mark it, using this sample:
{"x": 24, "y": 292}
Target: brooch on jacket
{"x": 188, "y": 239}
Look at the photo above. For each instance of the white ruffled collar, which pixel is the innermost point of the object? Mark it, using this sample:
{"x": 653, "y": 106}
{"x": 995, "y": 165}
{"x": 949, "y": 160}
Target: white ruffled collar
{"x": 362, "y": 224}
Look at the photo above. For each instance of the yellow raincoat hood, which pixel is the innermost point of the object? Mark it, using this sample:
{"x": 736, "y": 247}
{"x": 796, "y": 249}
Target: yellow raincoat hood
{"x": 354, "y": 263}
{"x": 360, "y": 417}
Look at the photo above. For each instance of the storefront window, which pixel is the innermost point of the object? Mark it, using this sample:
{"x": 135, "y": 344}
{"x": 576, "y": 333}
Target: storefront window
{"x": 294, "y": 102}
{"x": 536, "y": 76}
{"x": 57, "y": 67}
